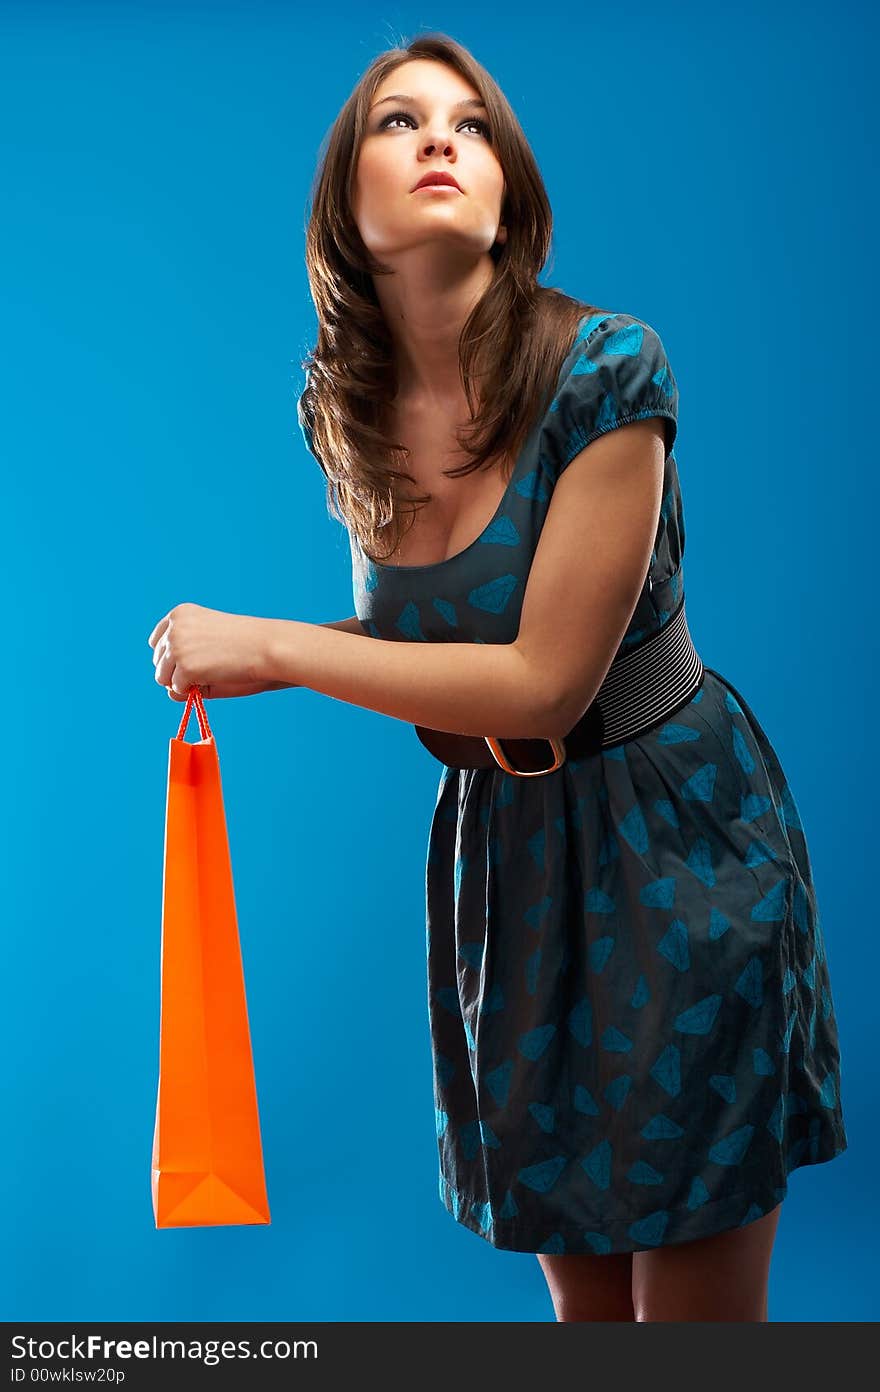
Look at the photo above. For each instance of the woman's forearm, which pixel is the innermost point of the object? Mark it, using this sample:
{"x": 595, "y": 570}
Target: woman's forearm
{"x": 352, "y": 625}
{"x": 468, "y": 688}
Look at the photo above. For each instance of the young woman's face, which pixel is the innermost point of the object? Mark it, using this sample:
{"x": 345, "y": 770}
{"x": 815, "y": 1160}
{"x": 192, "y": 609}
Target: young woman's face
{"x": 433, "y": 132}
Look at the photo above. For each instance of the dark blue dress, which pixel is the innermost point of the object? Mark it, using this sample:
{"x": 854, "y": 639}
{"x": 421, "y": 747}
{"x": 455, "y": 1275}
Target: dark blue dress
{"x": 632, "y": 1025}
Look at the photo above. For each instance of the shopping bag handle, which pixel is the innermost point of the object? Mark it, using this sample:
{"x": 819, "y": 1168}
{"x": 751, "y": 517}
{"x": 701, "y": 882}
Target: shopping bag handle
{"x": 194, "y": 698}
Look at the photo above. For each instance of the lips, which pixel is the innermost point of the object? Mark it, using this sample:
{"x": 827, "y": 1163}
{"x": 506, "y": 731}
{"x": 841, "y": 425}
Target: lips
{"x": 437, "y": 178}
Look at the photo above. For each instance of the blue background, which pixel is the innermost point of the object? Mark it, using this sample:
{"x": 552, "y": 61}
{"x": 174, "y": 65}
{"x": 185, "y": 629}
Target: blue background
{"x": 707, "y": 172}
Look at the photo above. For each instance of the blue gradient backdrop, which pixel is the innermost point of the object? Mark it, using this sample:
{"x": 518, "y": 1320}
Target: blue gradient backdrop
{"x": 708, "y": 172}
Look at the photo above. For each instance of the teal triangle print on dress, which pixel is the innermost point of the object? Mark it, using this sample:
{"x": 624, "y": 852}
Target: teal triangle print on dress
{"x": 757, "y": 853}
{"x": 752, "y": 806}
{"x": 776, "y": 1120}
{"x": 533, "y": 1043}
{"x": 771, "y": 909}
{"x": 498, "y": 1082}
{"x": 531, "y": 486}
{"x": 409, "y": 622}
{"x": 583, "y": 365}
{"x": 501, "y": 532}
{"x": 617, "y": 1091}
{"x": 633, "y": 828}
{"x": 650, "y": 1230}
{"x": 493, "y": 597}
{"x": 661, "y": 1128}
{"x": 799, "y": 910}
{"x": 663, "y": 380}
{"x": 659, "y": 894}
{"x": 447, "y": 610}
{"x": 674, "y": 945}
{"x": 731, "y": 1149}
{"x": 752, "y": 1212}
{"x": 494, "y": 1001}
{"x": 545, "y": 1116}
{"x": 789, "y": 809}
{"x": 643, "y": 1173}
{"x": 742, "y": 752}
{"x": 543, "y": 1176}
{"x": 535, "y": 915}
{"x": 598, "y": 1165}
{"x": 475, "y": 1134}
{"x": 472, "y": 953}
{"x": 699, "y": 1018}
{"x": 441, "y": 1119}
{"x": 698, "y": 1193}
{"x": 666, "y": 810}
{"x": 460, "y": 864}
{"x": 554, "y": 1245}
{"x": 667, "y": 1070}
{"x": 750, "y": 982}
{"x": 718, "y": 924}
{"x": 580, "y": 1022}
{"x": 640, "y": 995}
{"x": 677, "y": 734}
{"x": 536, "y": 847}
{"x": 599, "y": 952}
{"x": 598, "y": 1243}
{"x": 598, "y": 902}
{"x": 828, "y": 1092}
{"x": 763, "y": 1063}
{"x": 725, "y": 1085}
{"x": 483, "y": 1214}
{"x": 699, "y": 861}
{"x": 508, "y": 1208}
{"x": 448, "y": 998}
{"x": 606, "y": 416}
{"x": 700, "y": 787}
{"x": 614, "y": 1041}
{"x": 626, "y": 341}
{"x": 584, "y": 1101}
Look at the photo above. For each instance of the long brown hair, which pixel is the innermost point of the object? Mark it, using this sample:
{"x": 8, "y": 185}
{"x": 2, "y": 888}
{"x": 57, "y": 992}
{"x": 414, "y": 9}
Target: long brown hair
{"x": 519, "y": 329}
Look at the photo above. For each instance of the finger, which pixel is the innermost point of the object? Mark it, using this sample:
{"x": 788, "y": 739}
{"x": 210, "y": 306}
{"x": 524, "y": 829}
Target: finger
{"x": 159, "y": 630}
{"x": 164, "y": 668}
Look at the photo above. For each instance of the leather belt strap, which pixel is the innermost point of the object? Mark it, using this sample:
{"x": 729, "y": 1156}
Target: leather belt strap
{"x": 641, "y": 687}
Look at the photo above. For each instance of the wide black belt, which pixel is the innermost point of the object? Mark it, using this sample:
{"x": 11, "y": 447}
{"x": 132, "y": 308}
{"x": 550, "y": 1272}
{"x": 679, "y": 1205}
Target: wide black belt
{"x": 642, "y": 686}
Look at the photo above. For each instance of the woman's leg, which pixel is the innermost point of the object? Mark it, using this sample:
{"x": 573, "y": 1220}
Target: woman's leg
{"x": 584, "y": 1286}
{"x": 722, "y": 1277}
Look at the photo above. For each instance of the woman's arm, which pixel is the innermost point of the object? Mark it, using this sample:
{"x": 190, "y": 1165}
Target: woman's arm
{"x": 352, "y": 625}
{"x": 471, "y": 688}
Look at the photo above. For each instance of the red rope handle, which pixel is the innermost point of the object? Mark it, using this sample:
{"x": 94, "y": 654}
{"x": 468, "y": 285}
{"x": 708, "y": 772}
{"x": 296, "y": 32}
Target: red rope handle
{"x": 194, "y": 698}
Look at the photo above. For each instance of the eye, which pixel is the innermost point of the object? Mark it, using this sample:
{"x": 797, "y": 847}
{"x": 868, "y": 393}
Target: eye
{"x": 405, "y": 116}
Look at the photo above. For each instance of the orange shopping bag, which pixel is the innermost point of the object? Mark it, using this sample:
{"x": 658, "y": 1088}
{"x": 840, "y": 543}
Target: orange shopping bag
{"x": 207, "y": 1155}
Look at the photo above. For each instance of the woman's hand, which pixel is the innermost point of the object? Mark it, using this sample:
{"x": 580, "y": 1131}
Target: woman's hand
{"x": 222, "y": 654}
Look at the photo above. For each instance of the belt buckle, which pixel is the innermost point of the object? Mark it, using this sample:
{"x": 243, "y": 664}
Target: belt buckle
{"x": 501, "y": 759}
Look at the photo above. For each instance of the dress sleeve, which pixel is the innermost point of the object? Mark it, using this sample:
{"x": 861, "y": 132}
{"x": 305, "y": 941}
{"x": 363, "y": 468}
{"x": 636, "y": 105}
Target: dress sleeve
{"x": 620, "y": 374}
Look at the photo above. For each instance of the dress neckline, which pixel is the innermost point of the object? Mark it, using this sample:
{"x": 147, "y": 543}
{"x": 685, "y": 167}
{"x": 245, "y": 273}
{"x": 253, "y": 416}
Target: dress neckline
{"x": 389, "y": 569}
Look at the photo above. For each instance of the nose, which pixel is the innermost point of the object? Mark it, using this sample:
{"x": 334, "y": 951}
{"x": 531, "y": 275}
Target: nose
{"x": 430, "y": 147}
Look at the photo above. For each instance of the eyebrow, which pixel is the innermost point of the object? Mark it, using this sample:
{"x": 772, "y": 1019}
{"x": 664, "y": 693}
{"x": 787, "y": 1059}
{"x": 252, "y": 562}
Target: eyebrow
{"x": 459, "y": 106}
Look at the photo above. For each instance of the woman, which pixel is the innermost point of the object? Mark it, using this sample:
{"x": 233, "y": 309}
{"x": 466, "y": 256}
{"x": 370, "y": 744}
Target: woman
{"x": 633, "y": 1032}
